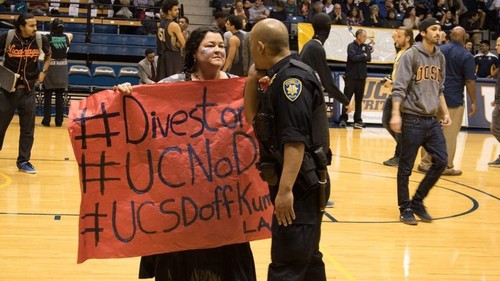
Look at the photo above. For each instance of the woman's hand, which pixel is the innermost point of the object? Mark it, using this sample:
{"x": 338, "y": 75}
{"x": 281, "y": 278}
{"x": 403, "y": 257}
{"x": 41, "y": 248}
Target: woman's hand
{"x": 124, "y": 88}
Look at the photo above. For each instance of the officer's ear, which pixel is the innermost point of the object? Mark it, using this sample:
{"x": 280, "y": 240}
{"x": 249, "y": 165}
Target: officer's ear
{"x": 261, "y": 47}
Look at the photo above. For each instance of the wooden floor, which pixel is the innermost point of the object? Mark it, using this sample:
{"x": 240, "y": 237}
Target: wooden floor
{"x": 361, "y": 240}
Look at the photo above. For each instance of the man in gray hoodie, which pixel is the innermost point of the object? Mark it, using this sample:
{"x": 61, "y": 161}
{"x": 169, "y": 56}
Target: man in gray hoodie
{"x": 417, "y": 96}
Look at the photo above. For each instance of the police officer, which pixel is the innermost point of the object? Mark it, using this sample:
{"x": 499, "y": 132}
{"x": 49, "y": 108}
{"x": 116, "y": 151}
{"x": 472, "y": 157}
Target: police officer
{"x": 289, "y": 118}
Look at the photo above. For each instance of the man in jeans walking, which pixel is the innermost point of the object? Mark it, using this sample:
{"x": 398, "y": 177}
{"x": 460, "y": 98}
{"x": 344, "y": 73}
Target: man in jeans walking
{"x": 417, "y": 96}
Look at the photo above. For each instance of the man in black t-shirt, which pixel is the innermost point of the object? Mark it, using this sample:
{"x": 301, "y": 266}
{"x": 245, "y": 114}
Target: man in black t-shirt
{"x": 21, "y": 57}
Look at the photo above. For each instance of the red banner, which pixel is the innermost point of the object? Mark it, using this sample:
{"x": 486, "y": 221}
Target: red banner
{"x": 170, "y": 167}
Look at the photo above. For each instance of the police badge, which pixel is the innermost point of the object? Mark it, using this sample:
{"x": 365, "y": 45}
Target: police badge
{"x": 292, "y": 88}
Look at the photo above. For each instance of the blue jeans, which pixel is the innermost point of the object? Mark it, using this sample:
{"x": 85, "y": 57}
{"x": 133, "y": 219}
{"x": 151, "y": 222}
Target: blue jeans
{"x": 418, "y": 131}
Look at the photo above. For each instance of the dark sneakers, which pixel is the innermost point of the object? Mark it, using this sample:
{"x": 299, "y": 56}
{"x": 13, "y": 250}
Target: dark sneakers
{"x": 495, "y": 164}
{"x": 393, "y": 162}
{"x": 342, "y": 124}
{"x": 419, "y": 210}
{"x": 407, "y": 217}
{"x": 359, "y": 125}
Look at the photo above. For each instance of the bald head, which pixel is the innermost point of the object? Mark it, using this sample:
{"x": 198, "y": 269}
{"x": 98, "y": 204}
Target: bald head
{"x": 273, "y": 34}
{"x": 458, "y": 34}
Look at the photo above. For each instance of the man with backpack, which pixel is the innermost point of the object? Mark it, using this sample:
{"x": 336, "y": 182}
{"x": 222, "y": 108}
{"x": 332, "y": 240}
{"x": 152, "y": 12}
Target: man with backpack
{"x": 21, "y": 49}
{"x": 417, "y": 96}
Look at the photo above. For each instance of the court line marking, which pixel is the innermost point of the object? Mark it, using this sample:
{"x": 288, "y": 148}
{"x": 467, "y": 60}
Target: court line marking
{"x": 338, "y": 266}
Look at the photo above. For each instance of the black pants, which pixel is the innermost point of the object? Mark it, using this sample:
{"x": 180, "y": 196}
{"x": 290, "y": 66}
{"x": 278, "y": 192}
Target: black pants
{"x": 354, "y": 87}
{"x": 295, "y": 254}
{"x": 47, "y": 108}
{"x": 24, "y": 102}
{"x": 386, "y": 119}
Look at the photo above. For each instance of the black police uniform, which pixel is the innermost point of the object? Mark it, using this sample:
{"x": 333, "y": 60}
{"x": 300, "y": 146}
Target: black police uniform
{"x": 290, "y": 104}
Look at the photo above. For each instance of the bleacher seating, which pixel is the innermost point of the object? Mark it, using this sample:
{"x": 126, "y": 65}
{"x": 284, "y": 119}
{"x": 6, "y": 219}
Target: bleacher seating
{"x": 128, "y": 74}
{"x": 79, "y": 79}
{"x": 104, "y": 77}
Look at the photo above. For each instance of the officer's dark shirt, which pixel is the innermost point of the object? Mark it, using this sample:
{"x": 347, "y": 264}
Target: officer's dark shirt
{"x": 292, "y": 116}
{"x": 294, "y": 98}
{"x": 22, "y": 57}
{"x": 357, "y": 57}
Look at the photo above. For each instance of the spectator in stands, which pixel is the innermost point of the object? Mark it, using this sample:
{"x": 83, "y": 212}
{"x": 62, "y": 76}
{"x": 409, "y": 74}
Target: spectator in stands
{"x": 469, "y": 46}
{"x": 473, "y": 9}
{"x": 304, "y": 8}
{"x": 248, "y": 4}
{"x": 337, "y": 16}
{"x": 410, "y": 19}
{"x": 354, "y": 19}
{"x": 404, "y": 4}
{"x": 328, "y": 6}
{"x": 440, "y": 9}
{"x": 373, "y": 20}
{"x": 316, "y": 7}
{"x": 38, "y": 7}
{"x": 472, "y": 24}
{"x": 443, "y": 38}
{"x": 140, "y": 7}
{"x": 383, "y": 8}
{"x": 102, "y": 4}
{"x": 148, "y": 67}
{"x": 21, "y": 57}
{"x": 169, "y": 41}
{"x": 239, "y": 9}
{"x": 486, "y": 62}
{"x": 291, "y": 8}
{"x": 258, "y": 8}
{"x": 448, "y": 20}
{"x": 364, "y": 7}
{"x": 279, "y": 12}
{"x": 220, "y": 21}
{"x": 5, "y": 6}
{"x": 184, "y": 25}
{"x": 124, "y": 10}
{"x": 391, "y": 21}
{"x": 205, "y": 55}
{"x": 56, "y": 80}
{"x": 492, "y": 15}
{"x": 234, "y": 60}
{"x": 422, "y": 8}
{"x": 348, "y": 6}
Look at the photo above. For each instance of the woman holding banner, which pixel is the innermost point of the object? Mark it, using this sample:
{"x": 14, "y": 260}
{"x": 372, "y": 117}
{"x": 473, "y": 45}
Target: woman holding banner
{"x": 204, "y": 57}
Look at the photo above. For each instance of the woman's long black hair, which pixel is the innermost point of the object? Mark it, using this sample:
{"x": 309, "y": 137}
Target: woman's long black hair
{"x": 192, "y": 44}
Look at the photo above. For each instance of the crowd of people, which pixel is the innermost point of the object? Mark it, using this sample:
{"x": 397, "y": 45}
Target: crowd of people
{"x": 473, "y": 16}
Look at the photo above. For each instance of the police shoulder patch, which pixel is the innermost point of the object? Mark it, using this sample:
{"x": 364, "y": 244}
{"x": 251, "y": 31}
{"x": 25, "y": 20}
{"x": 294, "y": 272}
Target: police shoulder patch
{"x": 292, "y": 87}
